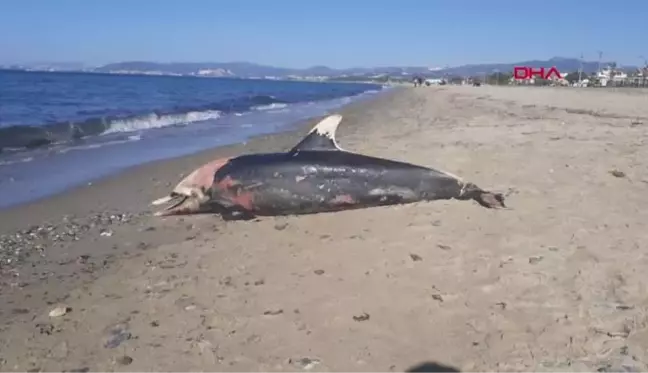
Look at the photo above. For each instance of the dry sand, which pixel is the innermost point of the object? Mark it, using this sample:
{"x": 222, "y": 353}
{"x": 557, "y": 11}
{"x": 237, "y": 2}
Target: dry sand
{"x": 556, "y": 283}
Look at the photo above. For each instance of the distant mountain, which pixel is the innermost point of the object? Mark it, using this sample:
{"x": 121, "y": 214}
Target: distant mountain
{"x": 564, "y": 65}
{"x": 247, "y": 70}
{"x": 252, "y": 70}
{"x": 47, "y": 66}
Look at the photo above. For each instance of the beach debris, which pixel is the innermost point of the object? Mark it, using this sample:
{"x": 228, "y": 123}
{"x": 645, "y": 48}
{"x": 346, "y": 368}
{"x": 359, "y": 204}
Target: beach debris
{"x": 124, "y": 360}
{"x": 305, "y": 363}
{"x": 59, "y": 311}
{"x": 82, "y": 259}
{"x": 79, "y": 370}
{"x": 315, "y": 176}
{"x": 364, "y": 317}
{"x": 45, "y": 328}
{"x": 535, "y": 259}
{"x": 117, "y": 334}
{"x": 617, "y": 173}
{"x": 318, "y": 272}
{"x": 636, "y": 123}
{"x": 437, "y": 297}
{"x": 444, "y": 247}
{"x": 416, "y": 257}
{"x": 281, "y": 226}
{"x": 273, "y": 312}
{"x": 23, "y": 243}
{"x": 226, "y": 281}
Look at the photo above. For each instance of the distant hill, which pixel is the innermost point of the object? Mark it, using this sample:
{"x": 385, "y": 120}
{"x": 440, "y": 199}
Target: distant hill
{"x": 247, "y": 69}
{"x": 253, "y": 70}
{"x": 564, "y": 65}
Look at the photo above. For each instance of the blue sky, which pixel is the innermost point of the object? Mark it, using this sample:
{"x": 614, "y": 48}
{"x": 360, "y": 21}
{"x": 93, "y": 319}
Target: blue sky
{"x": 337, "y": 33}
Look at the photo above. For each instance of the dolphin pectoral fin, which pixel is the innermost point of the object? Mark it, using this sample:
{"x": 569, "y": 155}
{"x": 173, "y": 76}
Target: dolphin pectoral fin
{"x": 321, "y": 137}
{"x": 229, "y": 214}
{"x": 228, "y": 210}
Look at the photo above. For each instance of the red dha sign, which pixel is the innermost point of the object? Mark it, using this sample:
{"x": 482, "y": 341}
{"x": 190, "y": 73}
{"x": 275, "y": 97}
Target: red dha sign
{"x": 525, "y": 72}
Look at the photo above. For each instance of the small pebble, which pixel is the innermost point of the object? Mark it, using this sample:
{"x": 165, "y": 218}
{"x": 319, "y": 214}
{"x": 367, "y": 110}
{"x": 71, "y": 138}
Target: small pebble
{"x": 118, "y": 335}
{"x": 364, "y": 317}
{"x": 16, "y": 246}
{"x": 82, "y": 259}
{"x": 617, "y": 173}
{"x": 415, "y": 257}
{"x": 124, "y": 360}
{"x": 280, "y": 226}
{"x": 305, "y": 363}
{"x": 59, "y": 311}
{"x": 319, "y": 272}
{"x": 535, "y": 259}
{"x": 106, "y": 233}
{"x": 80, "y": 370}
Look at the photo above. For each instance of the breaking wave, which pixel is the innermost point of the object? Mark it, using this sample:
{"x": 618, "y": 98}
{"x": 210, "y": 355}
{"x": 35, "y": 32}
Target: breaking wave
{"x": 29, "y": 137}
{"x": 92, "y": 123}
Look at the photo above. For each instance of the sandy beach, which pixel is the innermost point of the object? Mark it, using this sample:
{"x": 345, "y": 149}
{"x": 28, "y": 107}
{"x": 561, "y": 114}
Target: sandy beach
{"x": 555, "y": 283}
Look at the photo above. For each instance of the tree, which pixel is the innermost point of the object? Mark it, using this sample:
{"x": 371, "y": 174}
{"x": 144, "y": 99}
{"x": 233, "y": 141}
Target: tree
{"x": 455, "y": 79}
{"x": 499, "y": 78}
{"x": 574, "y": 76}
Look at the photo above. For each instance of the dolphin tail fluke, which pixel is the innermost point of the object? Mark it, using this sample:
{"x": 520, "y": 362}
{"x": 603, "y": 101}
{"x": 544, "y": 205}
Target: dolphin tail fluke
{"x": 485, "y": 198}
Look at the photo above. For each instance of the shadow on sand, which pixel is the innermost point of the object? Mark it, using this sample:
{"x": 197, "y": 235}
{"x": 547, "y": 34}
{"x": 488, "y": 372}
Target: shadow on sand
{"x": 432, "y": 367}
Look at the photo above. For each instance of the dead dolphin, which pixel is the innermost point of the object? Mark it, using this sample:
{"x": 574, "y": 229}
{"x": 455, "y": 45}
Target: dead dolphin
{"x": 316, "y": 175}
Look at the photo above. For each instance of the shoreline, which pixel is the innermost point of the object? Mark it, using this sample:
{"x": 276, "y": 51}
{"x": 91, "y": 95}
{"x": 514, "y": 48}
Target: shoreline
{"x": 554, "y": 283}
{"x": 37, "y": 236}
{"x": 254, "y": 141}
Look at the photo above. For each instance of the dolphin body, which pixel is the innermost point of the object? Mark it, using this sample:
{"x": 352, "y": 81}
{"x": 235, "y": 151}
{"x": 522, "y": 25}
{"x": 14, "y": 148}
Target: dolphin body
{"x": 315, "y": 176}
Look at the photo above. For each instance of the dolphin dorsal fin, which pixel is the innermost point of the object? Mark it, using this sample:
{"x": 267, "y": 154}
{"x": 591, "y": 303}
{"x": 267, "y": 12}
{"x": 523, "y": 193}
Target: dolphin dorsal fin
{"x": 321, "y": 137}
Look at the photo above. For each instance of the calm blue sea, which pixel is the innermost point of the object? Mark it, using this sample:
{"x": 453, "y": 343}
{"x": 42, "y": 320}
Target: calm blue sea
{"x": 59, "y": 130}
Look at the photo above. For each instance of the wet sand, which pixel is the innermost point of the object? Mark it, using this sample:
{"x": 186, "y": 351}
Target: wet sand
{"x": 556, "y": 283}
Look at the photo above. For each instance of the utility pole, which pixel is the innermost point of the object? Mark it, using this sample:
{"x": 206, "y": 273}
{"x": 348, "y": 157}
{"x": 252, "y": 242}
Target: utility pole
{"x": 599, "y": 60}
{"x": 643, "y": 70}
{"x": 580, "y": 71}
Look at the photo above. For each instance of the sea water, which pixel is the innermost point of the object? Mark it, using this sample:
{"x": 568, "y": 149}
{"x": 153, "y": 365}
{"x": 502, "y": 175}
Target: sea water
{"x": 59, "y": 130}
